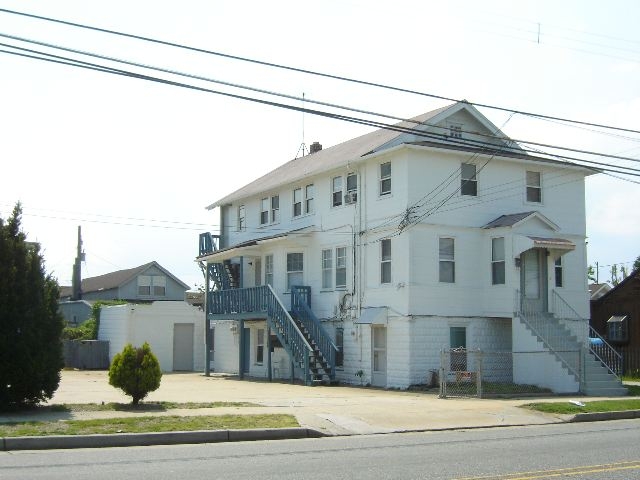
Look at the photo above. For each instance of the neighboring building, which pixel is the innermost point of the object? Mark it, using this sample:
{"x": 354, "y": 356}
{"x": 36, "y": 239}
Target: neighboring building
{"x": 596, "y": 290}
{"x": 174, "y": 331}
{"x": 616, "y": 316}
{"x": 75, "y": 312}
{"x": 148, "y": 282}
{"x": 366, "y": 259}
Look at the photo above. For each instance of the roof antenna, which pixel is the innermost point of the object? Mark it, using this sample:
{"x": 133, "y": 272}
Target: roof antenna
{"x": 303, "y": 146}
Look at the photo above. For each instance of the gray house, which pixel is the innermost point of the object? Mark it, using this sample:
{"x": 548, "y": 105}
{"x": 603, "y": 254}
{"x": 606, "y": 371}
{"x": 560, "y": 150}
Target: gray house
{"x": 149, "y": 282}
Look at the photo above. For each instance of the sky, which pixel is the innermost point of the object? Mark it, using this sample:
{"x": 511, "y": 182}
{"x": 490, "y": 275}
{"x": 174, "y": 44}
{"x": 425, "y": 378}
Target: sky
{"x": 135, "y": 163}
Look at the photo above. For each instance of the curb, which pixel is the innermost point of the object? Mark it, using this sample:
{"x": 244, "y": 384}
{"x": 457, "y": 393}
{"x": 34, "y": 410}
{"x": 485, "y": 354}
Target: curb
{"x": 601, "y": 416}
{"x": 153, "y": 438}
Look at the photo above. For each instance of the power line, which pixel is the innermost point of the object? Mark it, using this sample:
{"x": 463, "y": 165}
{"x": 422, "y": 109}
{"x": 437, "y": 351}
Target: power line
{"x": 487, "y": 146}
{"x": 291, "y": 97}
{"x": 308, "y": 72}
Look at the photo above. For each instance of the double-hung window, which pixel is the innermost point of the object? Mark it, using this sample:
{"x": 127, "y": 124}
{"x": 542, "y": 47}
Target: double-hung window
{"x": 270, "y": 210}
{"x": 268, "y": 270}
{"x": 497, "y": 261}
{"x": 385, "y": 260}
{"x": 385, "y": 178}
{"x": 468, "y": 180}
{"x": 327, "y": 268}
{"x": 295, "y": 270}
{"x": 155, "y": 285}
{"x": 447, "y": 273}
{"x": 308, "y": 201}
{"x": 264, "y": 211}
{"x": 534, "y": 187}
{"x": 144, "y": 285}
{"x": 275, "y": 209}
{"x": 341, "y": 267}
{"x": 557, "y": 267}
{"x": 336, "y": 191}
{"x": 617, "y": 328}
{"x": 302, "y": 200}
{"x": 260, "y": 346}
{"x": 242, "y": 219}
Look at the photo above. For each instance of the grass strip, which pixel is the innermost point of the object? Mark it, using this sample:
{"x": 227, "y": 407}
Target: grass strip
{"x": 147, "y": 424}
{"x": 589, "y": 407}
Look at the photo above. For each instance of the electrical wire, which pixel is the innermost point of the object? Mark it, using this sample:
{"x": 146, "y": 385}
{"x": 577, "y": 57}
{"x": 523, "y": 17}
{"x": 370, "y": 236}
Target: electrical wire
{"x": 309, "y": 72}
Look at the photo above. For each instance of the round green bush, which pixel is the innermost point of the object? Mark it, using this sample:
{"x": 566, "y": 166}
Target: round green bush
{"x": 136, "y": 371}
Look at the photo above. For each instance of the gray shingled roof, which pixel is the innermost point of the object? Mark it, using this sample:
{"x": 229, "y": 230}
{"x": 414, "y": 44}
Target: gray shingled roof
{"x": 508, "y": 220}
{"x": 325, "y": 160}
{"x": 112, "y": 280}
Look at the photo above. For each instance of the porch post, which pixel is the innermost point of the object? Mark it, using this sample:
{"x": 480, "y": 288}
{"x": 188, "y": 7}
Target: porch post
{"x": 241, "y": 350}
{"x": 207, "y": 325}
{"x": 269, "y": 352}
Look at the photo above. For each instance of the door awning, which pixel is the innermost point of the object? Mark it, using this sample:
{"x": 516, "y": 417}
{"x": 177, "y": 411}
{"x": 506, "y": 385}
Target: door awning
{"x": 522, "y": 243}
{"x": 373, "y": 316}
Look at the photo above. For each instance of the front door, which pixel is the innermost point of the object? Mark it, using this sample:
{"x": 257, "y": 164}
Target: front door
{"x": 379, "y": 351}
{"x": 533, "y": 280}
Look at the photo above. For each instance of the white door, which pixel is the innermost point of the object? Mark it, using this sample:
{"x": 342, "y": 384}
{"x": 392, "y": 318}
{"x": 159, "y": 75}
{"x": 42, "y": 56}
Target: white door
{"x": 379, "y": 352}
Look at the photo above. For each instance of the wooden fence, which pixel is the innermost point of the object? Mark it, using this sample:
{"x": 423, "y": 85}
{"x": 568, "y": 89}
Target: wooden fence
{"x": 630, "y": 359}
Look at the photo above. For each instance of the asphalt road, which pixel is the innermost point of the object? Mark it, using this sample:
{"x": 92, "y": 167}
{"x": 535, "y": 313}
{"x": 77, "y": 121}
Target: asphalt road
{"x": 600, "y": 450}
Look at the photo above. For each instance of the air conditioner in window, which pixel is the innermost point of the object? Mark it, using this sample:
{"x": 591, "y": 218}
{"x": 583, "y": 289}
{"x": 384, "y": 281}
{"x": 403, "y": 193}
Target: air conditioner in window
{"x": 351, "y": 197}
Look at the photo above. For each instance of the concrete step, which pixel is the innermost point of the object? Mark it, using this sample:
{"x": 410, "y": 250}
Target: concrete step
{"x": 601, "y": 391}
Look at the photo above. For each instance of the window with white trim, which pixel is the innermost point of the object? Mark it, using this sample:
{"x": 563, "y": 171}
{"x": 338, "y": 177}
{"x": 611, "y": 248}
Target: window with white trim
{"x": 308, "y": 201}
{"x": 302, "y": 200}
{"x": 268, "y": 270}
{"x": 270, "y": 210}
{"x": 534, "y": 187}
{"x": 341, "y": 267}
{"x": 152, "y": 285}
{"x": 447, "y": 263}
{"x": 260, "y": 346}
{"x": 242, "y": 219}
{"x": 385, "y": 260}
{"x": 295, "y": 270}
{"x": 468, "y": 180}
{"x": 264, "y": 211}
{"x": 557, "y": 270}
{"x": 497, "y": 261}
{"x": 275, "y": 209}
{"x": 385, "y": 178}
{"x": 336, "y": 191}
{"x": 327, "y": 268}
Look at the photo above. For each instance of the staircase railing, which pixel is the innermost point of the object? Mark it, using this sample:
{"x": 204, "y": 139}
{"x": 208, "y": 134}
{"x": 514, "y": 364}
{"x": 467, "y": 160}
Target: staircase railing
{"x": 550, "y": 332}
{"x": 598, "y": 346}
{"x": 300, "y": 302}
{"x": 263, "y": 299}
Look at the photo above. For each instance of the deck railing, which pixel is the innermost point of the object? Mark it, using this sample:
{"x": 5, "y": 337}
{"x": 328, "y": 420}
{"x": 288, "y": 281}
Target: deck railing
{"x": 300, "y": 306}
{"x": 264, "y": 300}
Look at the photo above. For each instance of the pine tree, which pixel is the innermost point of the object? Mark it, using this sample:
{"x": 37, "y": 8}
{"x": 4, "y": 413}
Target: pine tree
{"x": 136, "y": 371}
{"x": 30, "y": 324}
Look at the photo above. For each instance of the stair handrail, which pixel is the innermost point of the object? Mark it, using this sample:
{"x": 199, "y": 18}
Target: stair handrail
{"x": 602, "y": 350}
{"x": 317, "y": 331}
{"x": 536, "y": 322}
{"x": 263, "y": 299}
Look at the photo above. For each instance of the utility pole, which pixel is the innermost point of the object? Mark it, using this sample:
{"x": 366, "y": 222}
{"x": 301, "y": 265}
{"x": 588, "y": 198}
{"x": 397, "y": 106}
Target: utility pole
{"x": 76, "y": 282}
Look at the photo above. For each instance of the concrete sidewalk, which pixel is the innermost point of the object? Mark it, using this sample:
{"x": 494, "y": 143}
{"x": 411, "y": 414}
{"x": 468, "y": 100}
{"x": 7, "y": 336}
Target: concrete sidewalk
{"x": 323, "y": 409}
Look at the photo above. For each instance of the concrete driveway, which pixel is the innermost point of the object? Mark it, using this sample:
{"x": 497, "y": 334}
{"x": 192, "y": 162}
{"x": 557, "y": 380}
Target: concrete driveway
{"x": 332, "y": 410}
